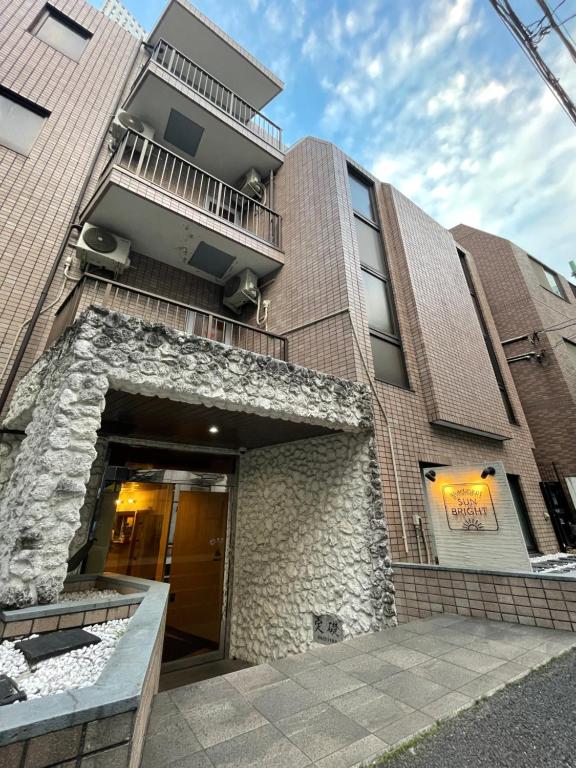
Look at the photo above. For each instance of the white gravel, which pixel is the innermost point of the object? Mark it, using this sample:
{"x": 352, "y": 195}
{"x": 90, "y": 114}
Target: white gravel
{"x": 88, "y": 594}
{"x": 76, "y": 669}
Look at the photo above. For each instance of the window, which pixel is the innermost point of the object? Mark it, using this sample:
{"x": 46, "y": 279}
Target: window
{"x": 547, "y": 278}
{"x": 571, "y": 349}
{"x": 370, "y": 246}
{"x": 387, "y": 352}
{"x": 361, "y": 194}
{"x": 62, "y": 33}
{"x": 20, "y": 121}
{"x": 488, "y": 342}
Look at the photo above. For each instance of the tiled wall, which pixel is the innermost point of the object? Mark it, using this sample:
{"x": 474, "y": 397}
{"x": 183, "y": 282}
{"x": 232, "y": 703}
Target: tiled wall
{"x": 38, "y": 193}
{"x": 522, "y": 598}
{"x": 66, "y": 619}
{"x": 322, "y": 277}
{"x": 520, "y": 305}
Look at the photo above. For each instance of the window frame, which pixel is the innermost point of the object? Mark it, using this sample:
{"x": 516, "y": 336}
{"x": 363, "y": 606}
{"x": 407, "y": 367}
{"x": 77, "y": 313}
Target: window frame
{"x": 50, "y": 11}
{"x": 31, "y": 106}
{"x": 561, "y": 293}
{"x": 384, "y": 276}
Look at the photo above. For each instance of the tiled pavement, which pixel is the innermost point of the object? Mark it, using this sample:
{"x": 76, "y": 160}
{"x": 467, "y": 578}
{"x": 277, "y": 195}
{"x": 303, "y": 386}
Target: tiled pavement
{"x": 343, "y": 705}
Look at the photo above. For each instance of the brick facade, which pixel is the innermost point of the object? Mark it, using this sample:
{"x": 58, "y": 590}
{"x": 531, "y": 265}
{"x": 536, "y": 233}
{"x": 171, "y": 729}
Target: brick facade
{"x": 322, "y": 279}
{"x": 317, "y": 297}
{"x": 521, "y": 306}
{"x": 39, "y": 193}
{"x": 532, "y": 599}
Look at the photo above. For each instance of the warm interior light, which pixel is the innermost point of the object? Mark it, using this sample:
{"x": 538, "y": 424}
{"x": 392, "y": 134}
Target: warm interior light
{"x": 213, "y": 430}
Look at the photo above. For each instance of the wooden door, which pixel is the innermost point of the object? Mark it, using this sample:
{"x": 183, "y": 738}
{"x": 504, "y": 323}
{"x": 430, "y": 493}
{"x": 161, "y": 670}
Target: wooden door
{"x": 197, "y": 568}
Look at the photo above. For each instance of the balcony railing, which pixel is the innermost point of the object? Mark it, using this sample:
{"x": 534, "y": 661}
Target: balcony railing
{"x": 92, "y": 289}
{"x": 217, "y": 93}
{"x": 154, "y": 163}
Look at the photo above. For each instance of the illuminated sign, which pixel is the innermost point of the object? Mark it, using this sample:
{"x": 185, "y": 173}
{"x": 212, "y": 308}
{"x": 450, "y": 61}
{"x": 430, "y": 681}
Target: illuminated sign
{"x": 469, "y": 507}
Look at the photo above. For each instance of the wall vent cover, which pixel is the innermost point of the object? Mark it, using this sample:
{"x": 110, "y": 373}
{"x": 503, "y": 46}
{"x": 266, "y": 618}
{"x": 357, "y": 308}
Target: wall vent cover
{"x": 211, "y": 260}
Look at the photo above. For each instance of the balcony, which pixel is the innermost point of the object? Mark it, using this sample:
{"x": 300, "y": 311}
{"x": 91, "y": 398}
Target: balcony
{"x": 193, "y": 76}
{"x": 193, "y": 112}
{"x": 166, "y": 205}
{"x": 152, "y": 308}
{"x": 197, "y": 37}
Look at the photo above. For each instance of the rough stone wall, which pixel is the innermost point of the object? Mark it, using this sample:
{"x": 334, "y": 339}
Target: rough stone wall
{"x": 92, "y": 487}
{"x": 60, "y": 402}
{"x": 9, "y": 447}
{"x": 310, "y": 539}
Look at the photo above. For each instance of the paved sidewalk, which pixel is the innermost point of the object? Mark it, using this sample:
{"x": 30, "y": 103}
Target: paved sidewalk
{"x": 530, "y": 725}
{"x": 344, "y": 705}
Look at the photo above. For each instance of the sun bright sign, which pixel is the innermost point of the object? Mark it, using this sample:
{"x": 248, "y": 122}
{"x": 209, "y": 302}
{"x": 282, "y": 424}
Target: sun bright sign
{"x": 469, "y": 507}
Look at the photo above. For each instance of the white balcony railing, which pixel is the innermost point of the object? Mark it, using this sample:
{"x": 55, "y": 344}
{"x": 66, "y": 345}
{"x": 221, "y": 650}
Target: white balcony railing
{"x": 153, "y": 163}
{"x": 217, "y": 93}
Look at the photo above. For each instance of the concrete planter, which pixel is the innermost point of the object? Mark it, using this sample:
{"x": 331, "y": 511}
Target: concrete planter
{"x": 103, "y": 725}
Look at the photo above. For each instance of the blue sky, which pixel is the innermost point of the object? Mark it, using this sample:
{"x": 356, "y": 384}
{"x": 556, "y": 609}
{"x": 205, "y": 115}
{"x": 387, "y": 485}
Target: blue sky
{"x": 433, "y": 96}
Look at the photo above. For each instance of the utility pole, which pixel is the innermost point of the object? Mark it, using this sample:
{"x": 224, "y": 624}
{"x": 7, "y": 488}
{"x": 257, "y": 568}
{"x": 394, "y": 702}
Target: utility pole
{"x": 527, "y": 40}
{"x": 553, "y": 24}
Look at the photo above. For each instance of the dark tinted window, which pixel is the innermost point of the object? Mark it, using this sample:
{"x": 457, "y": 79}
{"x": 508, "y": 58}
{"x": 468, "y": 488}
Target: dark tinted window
{"x": 388, "y": 362}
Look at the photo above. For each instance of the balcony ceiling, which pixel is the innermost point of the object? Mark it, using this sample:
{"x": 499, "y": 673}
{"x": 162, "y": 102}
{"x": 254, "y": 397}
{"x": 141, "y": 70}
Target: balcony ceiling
{"x": 186, "y": 29}
{"x": 166, "y": 236}
{"x": 157, "y": 418}
{"x": 224, "y": 150}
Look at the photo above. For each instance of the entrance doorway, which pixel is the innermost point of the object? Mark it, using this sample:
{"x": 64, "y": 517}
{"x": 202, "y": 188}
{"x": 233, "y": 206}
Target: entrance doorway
{"x": 171, "y": 526}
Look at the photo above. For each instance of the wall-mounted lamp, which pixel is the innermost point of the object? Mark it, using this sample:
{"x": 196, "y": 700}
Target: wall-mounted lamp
{"x": 430, "y": 475}
{"x": 487, "y": 471}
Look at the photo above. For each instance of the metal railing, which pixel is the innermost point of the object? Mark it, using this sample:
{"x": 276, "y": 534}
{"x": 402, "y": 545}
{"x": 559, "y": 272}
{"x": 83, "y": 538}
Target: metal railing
{"x": 92, "y": 289}
{"x": 154, "y": 163}
{"x": 217, "y": 93}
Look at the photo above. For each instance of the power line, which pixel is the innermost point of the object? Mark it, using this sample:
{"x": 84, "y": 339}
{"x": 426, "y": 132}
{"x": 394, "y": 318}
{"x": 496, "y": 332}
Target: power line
{"x": 527, "y": 39}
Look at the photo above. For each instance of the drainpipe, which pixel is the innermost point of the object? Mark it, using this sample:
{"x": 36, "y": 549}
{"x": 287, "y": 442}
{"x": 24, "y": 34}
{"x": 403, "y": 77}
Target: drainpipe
{"x": 390, "y": 439}
{"x": 51, "y": 275}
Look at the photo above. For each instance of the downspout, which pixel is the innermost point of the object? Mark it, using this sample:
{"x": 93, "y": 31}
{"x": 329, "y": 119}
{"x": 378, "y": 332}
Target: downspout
{"x": 390, "y": 439}
{"x": 54, "y": 268}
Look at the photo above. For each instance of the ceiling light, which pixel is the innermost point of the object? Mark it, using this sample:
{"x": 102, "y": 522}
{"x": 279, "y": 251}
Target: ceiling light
{"x": 213, "y": 430}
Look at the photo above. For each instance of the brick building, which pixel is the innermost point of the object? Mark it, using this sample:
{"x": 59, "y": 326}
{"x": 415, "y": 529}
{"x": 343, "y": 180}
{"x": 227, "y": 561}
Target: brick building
{"x": 255, "y": 372}
{"x": 534, "y": 310}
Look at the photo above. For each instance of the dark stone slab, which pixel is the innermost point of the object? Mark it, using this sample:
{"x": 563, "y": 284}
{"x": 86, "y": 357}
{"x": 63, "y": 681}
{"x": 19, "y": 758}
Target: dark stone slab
{"x": 9, "y": 691}
{"x": 52, "y": 644}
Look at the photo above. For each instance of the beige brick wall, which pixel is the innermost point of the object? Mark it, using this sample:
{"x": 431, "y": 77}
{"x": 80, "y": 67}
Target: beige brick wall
{"x": 520, "y": 305}
{"x": 532, "y": 599}
{"x": 322, "y": 275}
{"x": 38, "y": 193}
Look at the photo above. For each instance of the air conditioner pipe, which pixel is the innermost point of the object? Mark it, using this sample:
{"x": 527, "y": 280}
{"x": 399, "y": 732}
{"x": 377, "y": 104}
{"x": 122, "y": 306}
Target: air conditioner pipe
{"x": 54, "y": 268}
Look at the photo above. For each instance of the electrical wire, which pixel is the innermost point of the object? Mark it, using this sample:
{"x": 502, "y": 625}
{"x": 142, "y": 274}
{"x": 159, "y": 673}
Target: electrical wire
{"x": 58, "y": 298}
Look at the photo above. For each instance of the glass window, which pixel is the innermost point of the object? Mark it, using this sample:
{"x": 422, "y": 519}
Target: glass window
{"x": 377, "y": 303}
{"x": 20, "y": 121}
{"x": 571, "y": 349}
{"x": 370, "y": 246}
{"x": 56, "y": 29}
{"x": 361, "y": 194}
{"x": 388, "y": 362}
{"x": 547, "y": 278}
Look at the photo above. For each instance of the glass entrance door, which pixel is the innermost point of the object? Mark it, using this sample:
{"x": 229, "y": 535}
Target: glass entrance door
{"x": 173, "y": 532}
{"x": 197, "y": 564}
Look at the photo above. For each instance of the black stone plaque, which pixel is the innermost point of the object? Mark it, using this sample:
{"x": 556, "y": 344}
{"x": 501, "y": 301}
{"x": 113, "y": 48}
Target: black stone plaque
{"x": 327, "y": 629}
{"x": 9, "y": 691}
{"x": 55, "y": 644}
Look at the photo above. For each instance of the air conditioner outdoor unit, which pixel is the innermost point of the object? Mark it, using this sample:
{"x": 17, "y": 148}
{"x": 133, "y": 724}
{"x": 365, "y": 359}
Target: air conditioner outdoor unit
{"x": 101, "y": 248}
{"x": 241, "y": 289}
{"x": 251, "y": 185}
{"x": 124, "y": 121}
